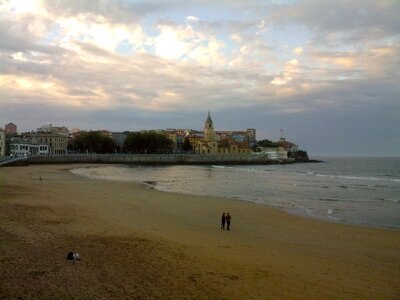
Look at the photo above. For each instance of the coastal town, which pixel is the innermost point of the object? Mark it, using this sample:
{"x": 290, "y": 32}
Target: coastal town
{"x": 49, "y": 140}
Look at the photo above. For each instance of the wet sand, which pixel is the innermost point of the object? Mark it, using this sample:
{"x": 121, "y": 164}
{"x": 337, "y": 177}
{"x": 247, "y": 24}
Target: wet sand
{"x": 139, "y": 243}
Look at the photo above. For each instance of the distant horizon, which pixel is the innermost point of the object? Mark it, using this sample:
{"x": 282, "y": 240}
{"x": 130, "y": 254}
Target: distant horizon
{"x": 311, "y": 156}
{"x": 325, "y": 72}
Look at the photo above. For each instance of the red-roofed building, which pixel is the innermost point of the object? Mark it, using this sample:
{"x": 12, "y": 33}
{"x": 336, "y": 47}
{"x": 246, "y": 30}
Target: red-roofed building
{"x": 10, "y": 128}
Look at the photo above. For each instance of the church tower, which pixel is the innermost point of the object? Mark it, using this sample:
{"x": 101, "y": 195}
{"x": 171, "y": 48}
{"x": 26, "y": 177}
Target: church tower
{"x": 209, "y": 134}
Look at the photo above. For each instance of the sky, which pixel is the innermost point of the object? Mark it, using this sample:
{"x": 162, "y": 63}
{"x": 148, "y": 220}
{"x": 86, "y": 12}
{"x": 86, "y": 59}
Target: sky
{"x": 325, "y": 72}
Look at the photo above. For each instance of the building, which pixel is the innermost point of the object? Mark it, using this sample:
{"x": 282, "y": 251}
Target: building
{"x": 2, "y": 142}
{"x": 248, "y": 136}
{"x": 171, "y": 134}
{"x": 274, "y": 153}
{"x": 10, "y": 128}
{"x": 288, "y": 146}
{"x": 57, "y": 142}
{"x": 24, "y": 146}
{"x": 223, "y": 142}
{"x": 177, "y": 136}
{"x": 208, "y": 144}
{"x": 194, "y": 138}
{"x": 104, "y": 132}
{"x": 53, "y": 129}
{"x": 230, "y": 146}
{"x": 56, "y": 137}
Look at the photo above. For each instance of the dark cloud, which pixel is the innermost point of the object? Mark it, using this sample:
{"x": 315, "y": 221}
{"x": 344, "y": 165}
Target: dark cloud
{"x": 116, "y": 11}
{"x": 349, "y": 20}
{"x": 17, "y": 33}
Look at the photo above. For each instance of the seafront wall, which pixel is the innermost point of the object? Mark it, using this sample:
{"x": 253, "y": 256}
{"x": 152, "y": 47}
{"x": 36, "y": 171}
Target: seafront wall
{"x": 155, "y": 159}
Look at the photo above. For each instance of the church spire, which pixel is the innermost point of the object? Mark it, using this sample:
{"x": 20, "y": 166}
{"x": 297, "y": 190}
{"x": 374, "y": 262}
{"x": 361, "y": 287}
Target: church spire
{"x": 209, "y": 121}
{"x": 209, "y": 134}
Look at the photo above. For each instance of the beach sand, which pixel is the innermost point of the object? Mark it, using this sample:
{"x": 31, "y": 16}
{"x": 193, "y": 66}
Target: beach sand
{"x": 139, "y": 243}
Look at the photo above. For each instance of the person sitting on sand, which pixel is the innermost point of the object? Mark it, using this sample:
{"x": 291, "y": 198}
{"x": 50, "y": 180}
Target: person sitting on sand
{"x": 228, "y": 220}
{"x": 223, "y": 221}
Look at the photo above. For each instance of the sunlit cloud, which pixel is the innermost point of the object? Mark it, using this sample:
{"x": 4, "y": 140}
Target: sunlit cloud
{"x": 168, "y": 44}
{"x": 19, "y": 56}
{"x": 192, "y": 19}
{"x": 298, "y": 50}
{"x": 21, "y": 6}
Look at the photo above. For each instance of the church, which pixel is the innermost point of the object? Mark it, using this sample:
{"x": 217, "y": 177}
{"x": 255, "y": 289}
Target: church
{"x": 215, "y": 143}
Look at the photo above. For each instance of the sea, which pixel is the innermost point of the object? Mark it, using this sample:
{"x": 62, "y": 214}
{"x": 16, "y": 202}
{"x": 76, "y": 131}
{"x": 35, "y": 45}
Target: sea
{"x": 363, "y": 191}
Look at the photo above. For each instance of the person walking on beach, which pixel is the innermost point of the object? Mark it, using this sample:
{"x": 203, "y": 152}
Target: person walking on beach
{"x": 223, "y": 221}
{"x": 228, "y": 220}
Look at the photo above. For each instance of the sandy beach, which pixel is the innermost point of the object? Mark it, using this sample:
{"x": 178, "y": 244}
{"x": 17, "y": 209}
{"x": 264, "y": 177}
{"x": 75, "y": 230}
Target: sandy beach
{"x": 139, "y": 243}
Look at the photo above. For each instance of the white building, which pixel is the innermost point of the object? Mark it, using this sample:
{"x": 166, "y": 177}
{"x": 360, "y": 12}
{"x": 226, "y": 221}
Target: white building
{"x": 274, "y": 153}
{"x": 26, "y": 148}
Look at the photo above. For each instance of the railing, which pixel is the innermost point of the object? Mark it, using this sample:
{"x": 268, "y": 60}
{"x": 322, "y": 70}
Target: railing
{"x": 12, "y": 160}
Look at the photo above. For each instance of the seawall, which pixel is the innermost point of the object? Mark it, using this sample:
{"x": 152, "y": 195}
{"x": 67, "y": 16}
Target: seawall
{"x": 153, "y": 159}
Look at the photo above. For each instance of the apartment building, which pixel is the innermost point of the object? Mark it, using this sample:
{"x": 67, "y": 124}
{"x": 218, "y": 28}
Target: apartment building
{"x": 57, "y": 142}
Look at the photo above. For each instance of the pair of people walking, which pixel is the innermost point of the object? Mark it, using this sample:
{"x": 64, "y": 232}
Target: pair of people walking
{"x": 226, "y": 219}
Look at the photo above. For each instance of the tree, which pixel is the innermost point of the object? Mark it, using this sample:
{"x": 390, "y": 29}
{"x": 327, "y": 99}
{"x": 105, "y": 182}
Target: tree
{"x": 148, "y": 142}
{"x": 93, "y": 141}
{"x": 267, "y": 143}
{"x": 187, "y": 146}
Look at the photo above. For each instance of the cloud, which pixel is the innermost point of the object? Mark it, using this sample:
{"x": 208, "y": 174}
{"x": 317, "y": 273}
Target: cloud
{"x": 291, "y": 70}
{"x": 100, "y": 31}
{"x": 117, "y": 11}
{"x": 349, "y": 20}
{"x": 192, "y": 19}
{"x": 169, "y": 44}
{"x": 298, "y": 50}
{"x": 154, "y": 59}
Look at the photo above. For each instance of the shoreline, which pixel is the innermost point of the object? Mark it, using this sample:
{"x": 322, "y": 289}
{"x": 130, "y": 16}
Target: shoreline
{"x": 135, "y": 241}
{"x": 292, "y": 212}
{"x": 288, "y": 210}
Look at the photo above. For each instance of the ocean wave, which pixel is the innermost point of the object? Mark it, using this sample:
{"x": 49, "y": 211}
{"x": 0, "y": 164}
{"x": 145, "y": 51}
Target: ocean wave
{"x": 329, "y": 214}
{"x": 358, "y": 178}
{"x": 329, "y": 199}
{"x": 221, "y": 167}
{"x": 388, "y": 199}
